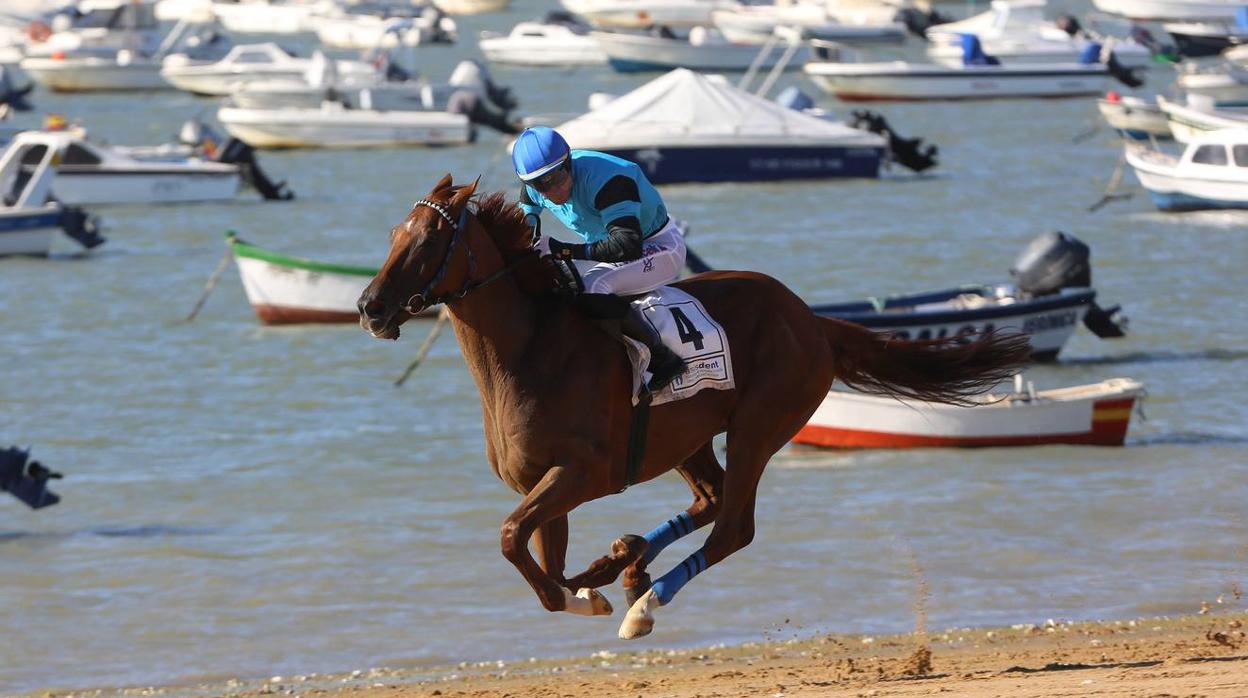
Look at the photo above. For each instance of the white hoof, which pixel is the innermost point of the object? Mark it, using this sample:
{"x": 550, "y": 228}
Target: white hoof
{"x": 599, "y": 603}
{"x": 639, "y": 620}
{"x": 586, "y": 602}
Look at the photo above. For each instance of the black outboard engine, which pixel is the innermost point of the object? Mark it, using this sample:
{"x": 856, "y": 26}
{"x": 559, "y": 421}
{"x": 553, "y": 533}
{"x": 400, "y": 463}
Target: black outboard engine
{"x": 1054, "y": 261}
{"x": 26, "y": 479}
{"x": 1070, "y": 25}
{"x": 909, "y": 152}
{"x": 81, "y": 227}
{"x": 236, "y": 151}
{"x": 917, "y": 21}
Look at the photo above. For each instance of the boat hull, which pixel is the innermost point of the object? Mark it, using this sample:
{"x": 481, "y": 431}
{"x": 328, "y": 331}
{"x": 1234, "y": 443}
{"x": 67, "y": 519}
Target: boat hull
{"x": 174, "y": 186}
{"x": 1048, "y": 321}
{"x": 1090, "y": 415}
{"x": 281, "y": 293}
{"x": 517, "y": 51}
{"x": 28, "y": 232}
{"x": 314, "y": 128}
{"x": 668, "y": 165}
{"x": 94, "y": 74}
{"x": 903, "y": 82}
{"x": 631, "y": 53}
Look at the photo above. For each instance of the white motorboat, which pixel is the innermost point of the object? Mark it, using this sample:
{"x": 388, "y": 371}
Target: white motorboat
{"x": 268, "y": 16}
{"x": 1171, "y": 10}
{"x": 1016, "y": 31}
{"x": 1212, "y": 173}
{"x": 1094, "y": 414}
{"x": 88, "y": 173}
{"x": 97, "y": 27}
{"x": 685, "y": 126}
{"x": 245, "y": 63}
{"x": 1225, "y": 82}
{"x": 899, "y": 80}
{"x": 29, "y": 213}
{"x": 640, "y": 14}
{"x": 755, "y": 23}
{"x": 704, "y": 49}
{"x": 371, "y": 26}
{"x": 471, "y": 7}
{"x": 331, "y": 125}
{"x": 1190, "y": 122}
{"x": 1134, "y": 117}
{"x": 556, "y": 40}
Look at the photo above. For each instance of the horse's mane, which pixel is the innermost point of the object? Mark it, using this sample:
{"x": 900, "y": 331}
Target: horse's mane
{"x": 504, "y": 221}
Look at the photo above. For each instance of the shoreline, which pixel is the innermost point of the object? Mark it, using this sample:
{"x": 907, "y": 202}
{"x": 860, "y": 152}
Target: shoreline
{"x": 1206, "y": 652}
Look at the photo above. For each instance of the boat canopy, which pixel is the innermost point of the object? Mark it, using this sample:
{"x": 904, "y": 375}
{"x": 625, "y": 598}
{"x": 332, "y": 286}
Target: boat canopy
{"x": 685, "y": 108}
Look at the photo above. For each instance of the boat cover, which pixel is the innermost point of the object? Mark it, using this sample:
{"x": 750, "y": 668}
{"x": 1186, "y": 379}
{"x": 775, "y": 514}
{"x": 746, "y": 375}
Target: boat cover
{"x": 685, "y": 108}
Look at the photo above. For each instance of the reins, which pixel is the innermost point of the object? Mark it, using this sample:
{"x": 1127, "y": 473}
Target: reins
{"x": 425, "y": 295}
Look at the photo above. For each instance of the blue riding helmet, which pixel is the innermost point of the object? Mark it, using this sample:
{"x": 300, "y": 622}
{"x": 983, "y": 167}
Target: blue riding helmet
{"x": 537, "y": 151}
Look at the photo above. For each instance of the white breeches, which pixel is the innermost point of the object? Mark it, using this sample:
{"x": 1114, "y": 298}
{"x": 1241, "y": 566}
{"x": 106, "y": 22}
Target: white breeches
{"x": 662, "y": 259}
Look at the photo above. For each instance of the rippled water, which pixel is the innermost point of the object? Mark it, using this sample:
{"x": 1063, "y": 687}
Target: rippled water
{"x": 248, "y": 501}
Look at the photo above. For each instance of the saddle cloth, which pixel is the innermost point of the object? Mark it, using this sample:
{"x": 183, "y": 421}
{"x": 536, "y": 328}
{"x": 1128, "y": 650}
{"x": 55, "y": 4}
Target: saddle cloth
{"x": 688, "y": 329}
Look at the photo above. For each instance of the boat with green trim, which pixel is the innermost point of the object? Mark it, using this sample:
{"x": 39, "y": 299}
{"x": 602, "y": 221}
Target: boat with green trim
{"x": 285, "y": 290}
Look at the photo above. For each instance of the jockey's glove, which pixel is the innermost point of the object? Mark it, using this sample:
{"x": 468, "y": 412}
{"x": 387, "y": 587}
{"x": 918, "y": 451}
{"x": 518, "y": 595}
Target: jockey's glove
{"x": 542, "y": 245}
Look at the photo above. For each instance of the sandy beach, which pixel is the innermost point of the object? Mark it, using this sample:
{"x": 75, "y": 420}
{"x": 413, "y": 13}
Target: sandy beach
{"x": 1203, "y": 654}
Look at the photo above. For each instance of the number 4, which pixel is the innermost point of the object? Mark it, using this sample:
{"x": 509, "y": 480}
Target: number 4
{"x": 688, "y": 333}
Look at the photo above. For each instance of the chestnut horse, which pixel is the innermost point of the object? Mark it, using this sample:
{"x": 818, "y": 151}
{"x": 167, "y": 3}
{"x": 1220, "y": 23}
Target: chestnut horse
{"x": 555, "y": 392}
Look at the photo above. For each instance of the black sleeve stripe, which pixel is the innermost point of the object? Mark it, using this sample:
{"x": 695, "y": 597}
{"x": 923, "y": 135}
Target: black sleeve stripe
{"x": 618, "y": 188}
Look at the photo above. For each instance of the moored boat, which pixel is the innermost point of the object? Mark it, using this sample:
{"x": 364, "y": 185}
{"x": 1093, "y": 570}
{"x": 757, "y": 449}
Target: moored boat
{"x": 559, "y": 39}
{"x": 334, "y": 126}
{"x": 287, "y": 290}
{"x": 704, "y": 49}
{"x": 1188, "y": 122}
{"x": 1094, "y": 414}
{"x": 1134, "y": 117}
{"x": 29, "y": 214}
{"x": 1212, "y": 172}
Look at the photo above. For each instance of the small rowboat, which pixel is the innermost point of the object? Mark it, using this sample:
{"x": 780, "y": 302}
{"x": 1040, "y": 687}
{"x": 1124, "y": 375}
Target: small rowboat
{"x": 1093, "y": 414}
{"x": 289, "y": 290}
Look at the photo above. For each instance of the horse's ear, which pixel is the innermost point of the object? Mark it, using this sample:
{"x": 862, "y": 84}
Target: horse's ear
{"x": 442, "y": 183}
{"x": 463, "y": 193}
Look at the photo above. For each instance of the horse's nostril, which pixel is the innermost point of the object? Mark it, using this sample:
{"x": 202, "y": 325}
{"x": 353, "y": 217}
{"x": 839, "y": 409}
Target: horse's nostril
{"x": 374, "y": 308}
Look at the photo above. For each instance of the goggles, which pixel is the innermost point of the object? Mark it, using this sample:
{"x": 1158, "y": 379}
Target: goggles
{"x": 551, "y": 179}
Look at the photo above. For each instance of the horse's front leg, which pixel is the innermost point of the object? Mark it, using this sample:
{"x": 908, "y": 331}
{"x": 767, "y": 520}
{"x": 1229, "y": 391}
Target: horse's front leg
{"x": 552, "y": 498}
{"x": 625, "y": 552}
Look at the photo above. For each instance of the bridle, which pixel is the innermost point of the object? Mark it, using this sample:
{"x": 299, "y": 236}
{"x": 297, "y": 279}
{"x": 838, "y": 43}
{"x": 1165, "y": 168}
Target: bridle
{"x": 425, "y": 295}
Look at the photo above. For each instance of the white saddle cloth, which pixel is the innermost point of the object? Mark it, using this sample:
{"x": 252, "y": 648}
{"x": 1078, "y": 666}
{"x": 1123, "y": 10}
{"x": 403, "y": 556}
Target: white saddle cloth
{"x": 688, "y": 329}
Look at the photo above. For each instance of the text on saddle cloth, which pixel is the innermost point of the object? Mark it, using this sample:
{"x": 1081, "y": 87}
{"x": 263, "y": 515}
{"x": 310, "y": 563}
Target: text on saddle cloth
{"x": 688, "y": 330}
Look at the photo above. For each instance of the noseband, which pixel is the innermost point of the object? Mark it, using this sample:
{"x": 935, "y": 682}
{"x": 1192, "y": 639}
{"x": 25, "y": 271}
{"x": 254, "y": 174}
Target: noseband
{"x": 425, "y": 296}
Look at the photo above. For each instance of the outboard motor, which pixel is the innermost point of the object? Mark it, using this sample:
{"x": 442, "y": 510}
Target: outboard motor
{"x": 81, "y": 227}
{"x": 1094, "y": 53}
{"x": 917, "y": 21}
{"x": 1054, "y": 261}
{"x": 26, "y": 479}
{"x": 15, "y": 97}
{"x": 479, "y": 110}
{"x": 1070, "y": 25}
{"x": 470, "y": 74}
{"x": 908, "y": 152}
{"x": 973, "y": 52}
{"x": 236, "y": 151}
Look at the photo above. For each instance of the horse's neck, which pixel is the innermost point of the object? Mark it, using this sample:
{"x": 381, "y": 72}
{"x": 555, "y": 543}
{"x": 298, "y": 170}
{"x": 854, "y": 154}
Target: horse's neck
{"x": 495, "y": 325}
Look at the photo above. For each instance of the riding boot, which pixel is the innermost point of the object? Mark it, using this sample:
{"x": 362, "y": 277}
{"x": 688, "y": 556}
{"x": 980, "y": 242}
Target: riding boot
{"x": 665, "y": 365}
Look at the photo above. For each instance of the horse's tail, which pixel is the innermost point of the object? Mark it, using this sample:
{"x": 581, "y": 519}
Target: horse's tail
{"x": 948, "y": 370}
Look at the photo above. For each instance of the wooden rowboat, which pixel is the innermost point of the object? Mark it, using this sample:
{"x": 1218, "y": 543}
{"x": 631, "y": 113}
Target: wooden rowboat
{"x": 1093, "y": 414}
{"x": 287, "y": 290}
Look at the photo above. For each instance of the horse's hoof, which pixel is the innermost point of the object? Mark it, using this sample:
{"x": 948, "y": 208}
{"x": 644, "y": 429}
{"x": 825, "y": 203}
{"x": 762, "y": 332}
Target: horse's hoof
{"x": 639, "y": 620}
{"x": 629, "y": 547}
{"x": 631, "y": 594}
{"x": 597, "y": 602}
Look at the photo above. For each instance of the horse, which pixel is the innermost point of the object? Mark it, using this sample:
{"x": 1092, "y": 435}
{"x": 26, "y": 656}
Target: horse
{"x": 556, "y": 392}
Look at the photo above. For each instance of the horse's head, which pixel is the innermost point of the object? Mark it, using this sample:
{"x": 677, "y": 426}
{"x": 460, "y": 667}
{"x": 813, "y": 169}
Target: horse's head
{"x": 421, "y": 264}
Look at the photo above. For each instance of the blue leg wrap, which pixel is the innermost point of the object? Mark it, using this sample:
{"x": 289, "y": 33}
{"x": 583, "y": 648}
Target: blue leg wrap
{"x": 667, "y": 533}
{"x": 665, "y": 587}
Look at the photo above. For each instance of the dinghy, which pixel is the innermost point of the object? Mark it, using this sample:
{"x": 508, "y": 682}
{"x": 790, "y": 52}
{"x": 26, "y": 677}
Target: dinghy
{"x": 1095, "y": 414}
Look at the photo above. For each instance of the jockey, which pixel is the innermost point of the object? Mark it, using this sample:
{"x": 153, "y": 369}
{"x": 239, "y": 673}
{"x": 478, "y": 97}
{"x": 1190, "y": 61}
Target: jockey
{"x": 631, "y": 245}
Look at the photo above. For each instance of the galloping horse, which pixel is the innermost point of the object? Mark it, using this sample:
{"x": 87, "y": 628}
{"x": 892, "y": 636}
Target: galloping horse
{"x": 555, "y": 392}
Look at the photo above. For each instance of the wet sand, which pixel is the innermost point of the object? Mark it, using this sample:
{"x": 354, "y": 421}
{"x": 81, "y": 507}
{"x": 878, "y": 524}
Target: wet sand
{"x": 1204, "y": 654}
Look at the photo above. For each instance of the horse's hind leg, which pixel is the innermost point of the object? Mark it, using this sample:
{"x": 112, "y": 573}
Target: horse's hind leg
{"x": 706, "y": 480}
{"x": 630, "y": 553}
